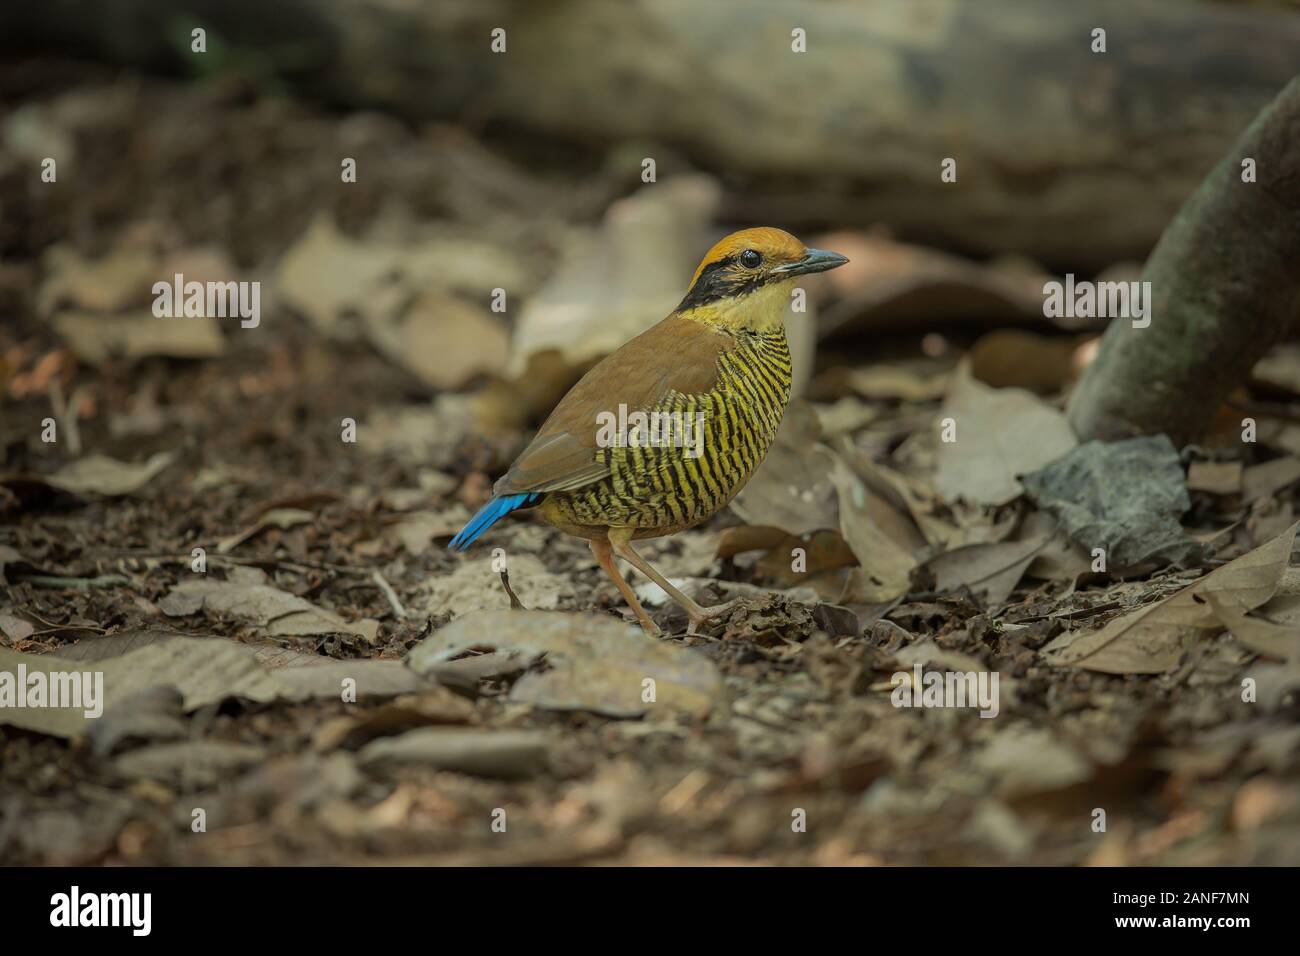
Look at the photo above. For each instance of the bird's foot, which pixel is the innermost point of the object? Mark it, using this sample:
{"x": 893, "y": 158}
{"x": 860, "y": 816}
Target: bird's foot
{"x": 703, "y": 615}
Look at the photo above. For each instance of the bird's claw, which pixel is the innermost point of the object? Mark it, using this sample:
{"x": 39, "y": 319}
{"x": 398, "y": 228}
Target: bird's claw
{"x": 707, "y": 614}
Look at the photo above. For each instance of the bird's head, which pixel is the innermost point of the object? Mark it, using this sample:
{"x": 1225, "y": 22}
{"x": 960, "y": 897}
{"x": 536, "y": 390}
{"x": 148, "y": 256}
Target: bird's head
{"x": 744, "y": 281}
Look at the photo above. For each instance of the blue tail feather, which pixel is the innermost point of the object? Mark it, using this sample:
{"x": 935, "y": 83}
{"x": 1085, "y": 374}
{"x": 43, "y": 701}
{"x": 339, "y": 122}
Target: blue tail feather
{"x": 489, "y": 514}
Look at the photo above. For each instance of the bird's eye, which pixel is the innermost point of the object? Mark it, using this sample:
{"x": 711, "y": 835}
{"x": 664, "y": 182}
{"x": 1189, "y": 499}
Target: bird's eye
{"x": 750, "y": 259}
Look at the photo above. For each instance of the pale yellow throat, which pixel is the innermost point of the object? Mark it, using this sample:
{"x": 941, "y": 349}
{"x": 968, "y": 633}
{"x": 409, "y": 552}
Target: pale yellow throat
{"x": 762, "y": 310}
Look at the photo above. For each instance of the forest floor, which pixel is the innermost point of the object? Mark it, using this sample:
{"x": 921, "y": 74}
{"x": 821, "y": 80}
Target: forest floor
{"x": 321, "y": 459}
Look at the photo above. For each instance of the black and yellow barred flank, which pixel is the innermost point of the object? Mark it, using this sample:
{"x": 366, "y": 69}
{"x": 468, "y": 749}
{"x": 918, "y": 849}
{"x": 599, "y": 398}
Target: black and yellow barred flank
{"x": 720, "y": 359}
{"x": 658, "y": 489}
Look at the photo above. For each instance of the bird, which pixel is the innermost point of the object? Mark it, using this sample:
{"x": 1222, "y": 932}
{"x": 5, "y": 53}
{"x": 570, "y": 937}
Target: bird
{"x": 663, "y": 432}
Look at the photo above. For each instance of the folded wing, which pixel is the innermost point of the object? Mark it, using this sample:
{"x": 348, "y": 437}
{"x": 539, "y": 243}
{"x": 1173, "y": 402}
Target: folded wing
{"x": 676, "y": 355}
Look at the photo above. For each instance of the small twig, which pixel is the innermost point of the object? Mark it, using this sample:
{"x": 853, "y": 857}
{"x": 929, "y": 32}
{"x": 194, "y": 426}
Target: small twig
{"x": 393, "y": 600}
{"x": 1077, "y": 613}
{"x": 66, "y": 627}
{"x": 58, "y": 581}
{"x": 515, "y": 603}
{"x": 296, "y": 566}
{"x": 44, "y": 620}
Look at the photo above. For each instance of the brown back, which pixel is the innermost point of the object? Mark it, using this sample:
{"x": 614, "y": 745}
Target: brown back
{"x": 676, "y": 354}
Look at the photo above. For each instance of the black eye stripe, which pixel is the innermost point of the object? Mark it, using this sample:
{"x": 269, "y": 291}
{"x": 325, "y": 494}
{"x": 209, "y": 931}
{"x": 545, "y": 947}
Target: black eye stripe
{"x": 721, "y": 279}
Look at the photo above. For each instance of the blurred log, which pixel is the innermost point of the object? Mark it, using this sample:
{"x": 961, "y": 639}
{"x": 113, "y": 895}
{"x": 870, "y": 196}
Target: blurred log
{"x": 1225, "y": 283}
{"x": 1075, "y": 157}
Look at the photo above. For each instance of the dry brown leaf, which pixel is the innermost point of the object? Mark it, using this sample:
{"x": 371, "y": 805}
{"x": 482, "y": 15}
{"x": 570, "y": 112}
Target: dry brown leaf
{"x": 98, "y": 308}
{"x": 205, "y": 671}
{"x": 476, "y": 586}
{"x": 442, "y": 339}
{"x": 884, "y": 571}
{"x": 992, "y": 570}
{"x": 909, "y": 495}
{"x": 1014, "y": 358}
{"x": 821, "y": 551}
{"x": 1150, "y": 640}
{"x": 1269, "y": 478}
{"x": 792, "y": 488}
{"x": 418, "y": 528}
{"x": 1032, "y": 760}
{"x": 745, "y": 537}
{"x": 1215, "y": 477}
{"x": 97, "y": 338}
{"x": 504, "y": 754}
{"x": 1261, "y": 636}
{"x": 11, "y": 625}
{"x": 1060, "y": 559}
{"x": 592, "y": 663}
{"x": 101, "y": 475}
{"x": 615, "y": 283}
{"x": 845, "y": 416}
{"x": 120, "y": 280}
{"x": 275, "y": 518}
{"x": 1279, "y": 370}
{"x": 888, "y": 284}
{"x": 993, "y": 443}
{"x": 327, "y": 276}
{"x": 898, "y": 382}
{"x": 277, "y": 612}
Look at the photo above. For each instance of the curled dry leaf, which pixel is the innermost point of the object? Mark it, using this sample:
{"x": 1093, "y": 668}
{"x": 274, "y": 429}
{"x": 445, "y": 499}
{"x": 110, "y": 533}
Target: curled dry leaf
{"x": 818, "y": 559}
{"x": 1261, "y": 636}
{"x": 885, "y": 567}
{"x": 1150, "y": 639}
{"x": 101, "y": 475}
{"x": 747, "y": 537}
{"x": 991, "y": 570}
{"x": 817, "y": 552}
{"x": 276, "y": 612}
{"x": 908, "y": 496}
